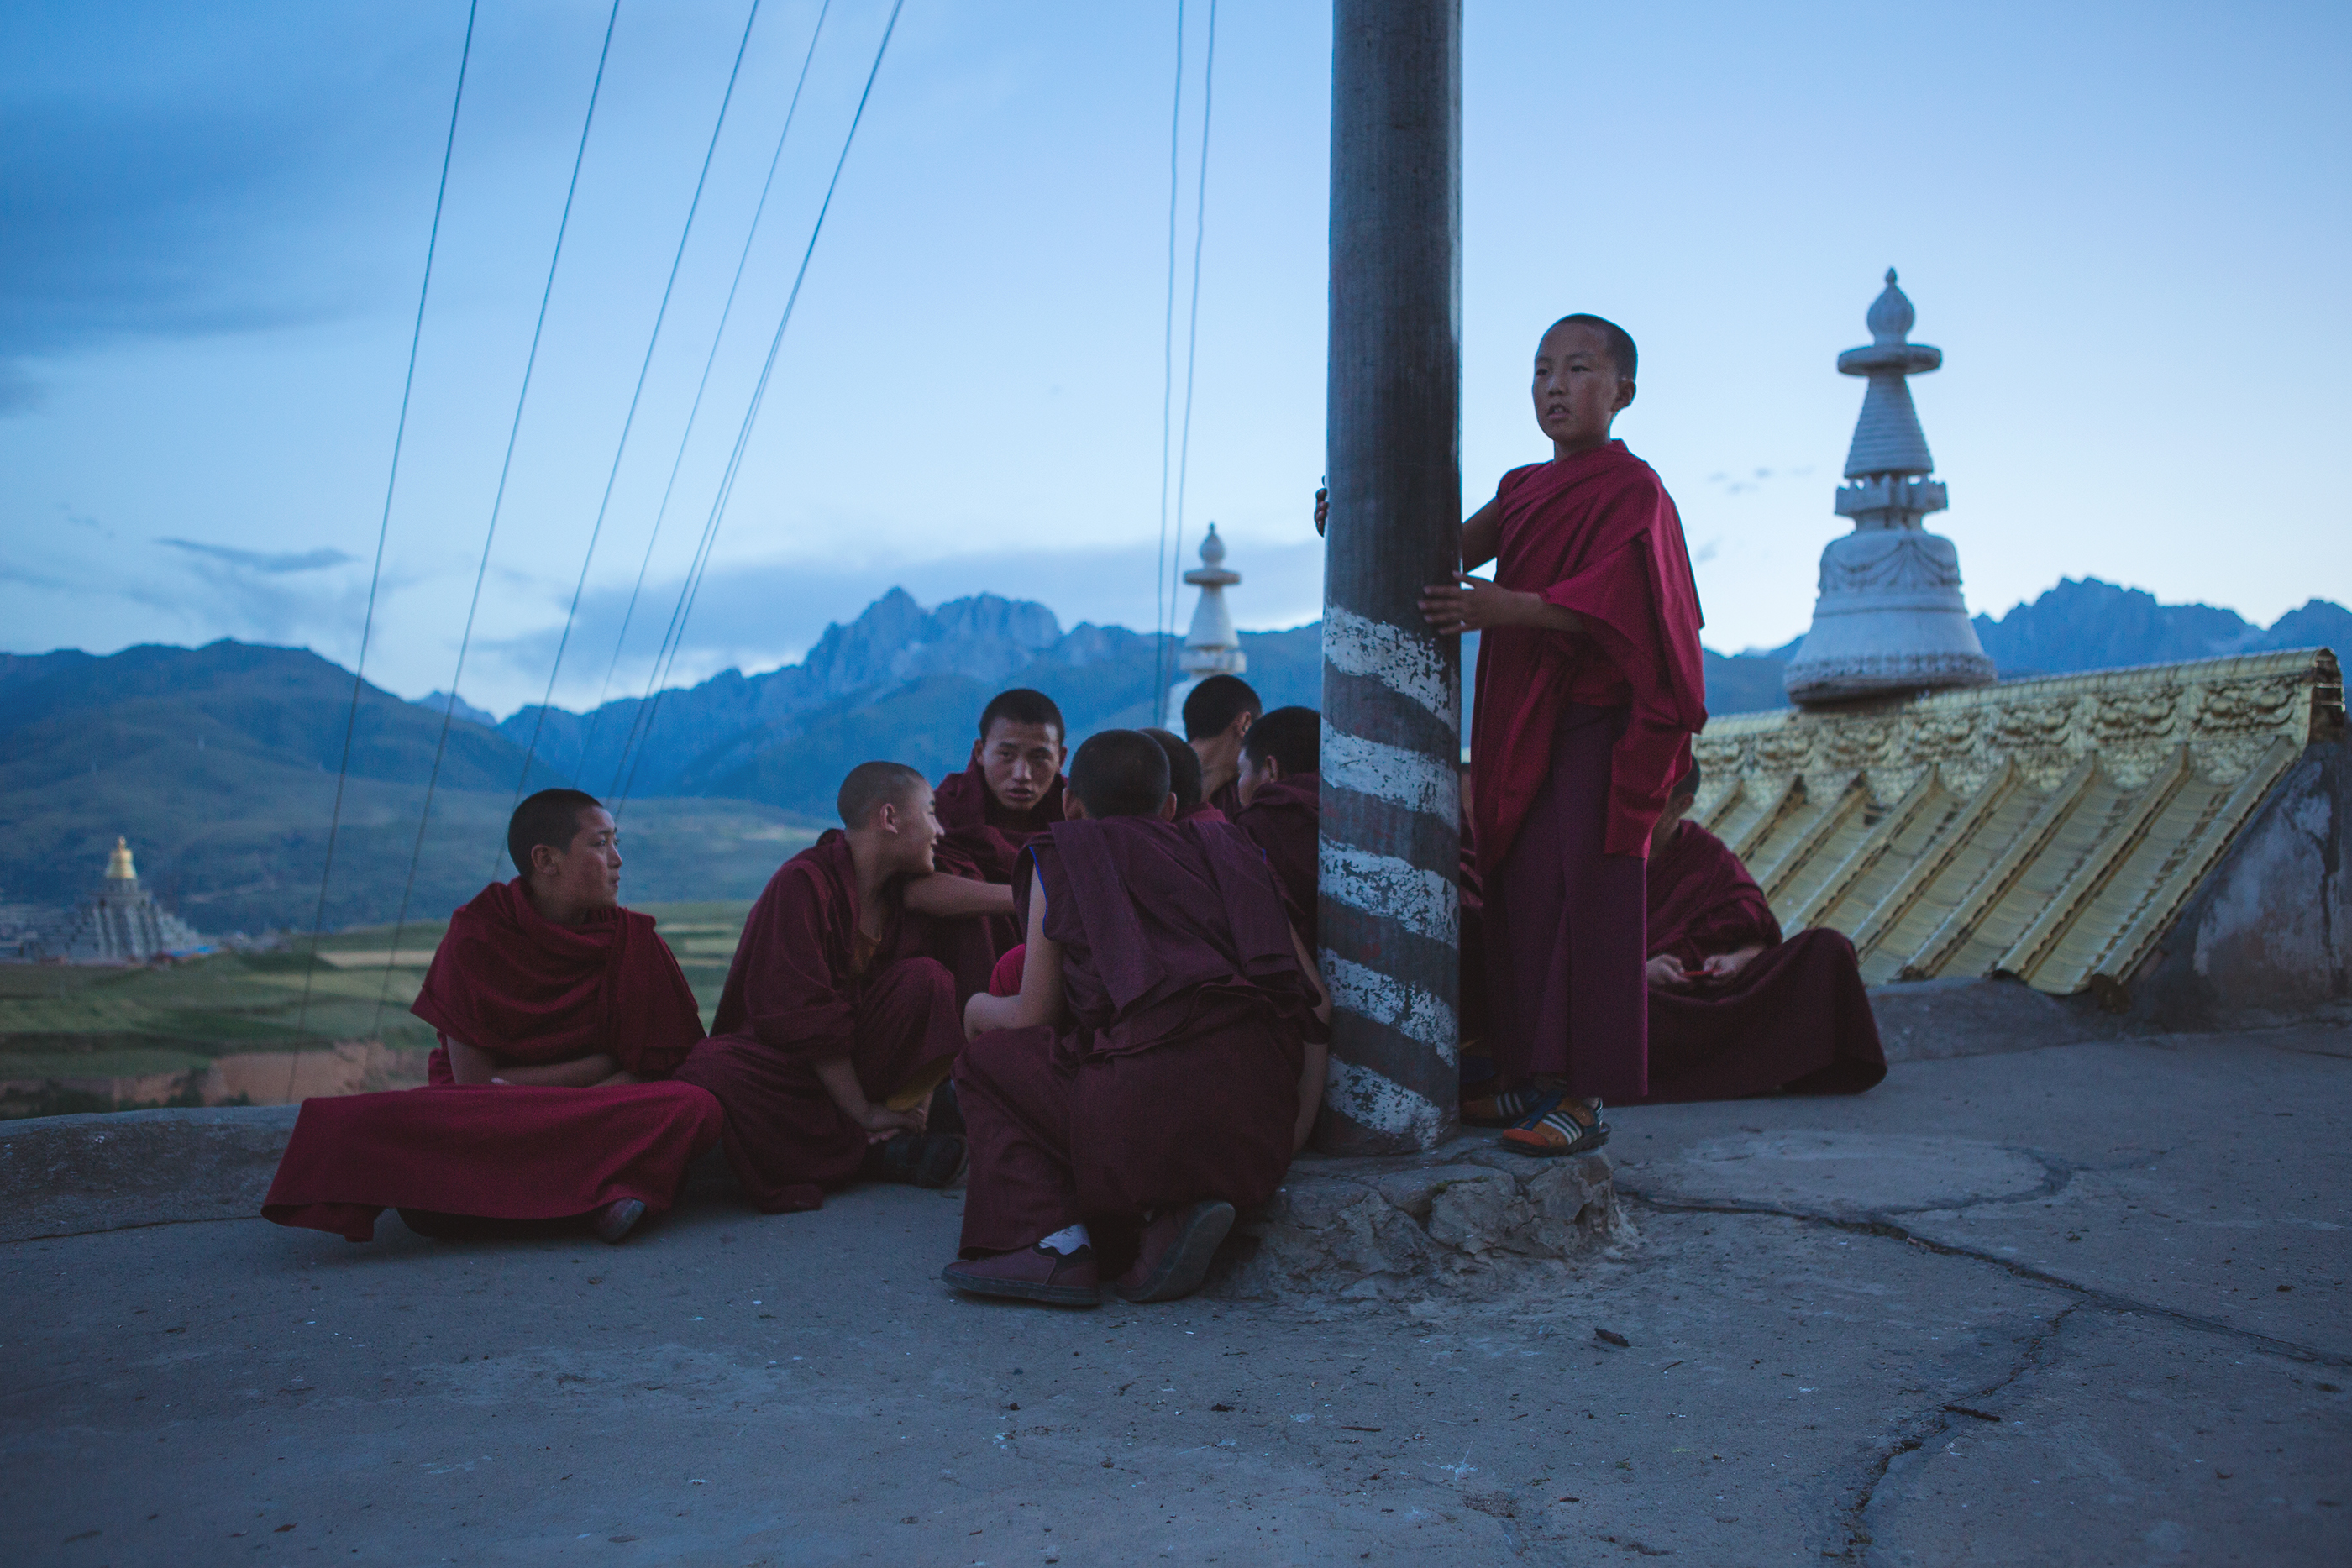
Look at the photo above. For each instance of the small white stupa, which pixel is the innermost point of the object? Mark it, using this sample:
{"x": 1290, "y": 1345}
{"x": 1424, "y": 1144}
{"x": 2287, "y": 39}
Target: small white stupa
{"x": 1212, "y": 647}
{"x": 1889, "y": 617}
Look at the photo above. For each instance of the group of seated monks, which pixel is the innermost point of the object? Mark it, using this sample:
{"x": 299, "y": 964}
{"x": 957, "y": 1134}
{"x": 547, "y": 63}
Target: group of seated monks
{"x": 1093, "y": 994}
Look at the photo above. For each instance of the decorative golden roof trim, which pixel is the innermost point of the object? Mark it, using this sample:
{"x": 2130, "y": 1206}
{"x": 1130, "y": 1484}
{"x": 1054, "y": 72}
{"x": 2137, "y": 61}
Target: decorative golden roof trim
{"x": 2050, "y": 829}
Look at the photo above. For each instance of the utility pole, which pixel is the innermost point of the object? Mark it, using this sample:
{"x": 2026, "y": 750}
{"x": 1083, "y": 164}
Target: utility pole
{"x": 1390, "y": 917}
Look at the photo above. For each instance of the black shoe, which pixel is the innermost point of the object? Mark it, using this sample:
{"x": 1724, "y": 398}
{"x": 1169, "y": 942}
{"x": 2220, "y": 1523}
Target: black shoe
{"x": 915, "y": 1159}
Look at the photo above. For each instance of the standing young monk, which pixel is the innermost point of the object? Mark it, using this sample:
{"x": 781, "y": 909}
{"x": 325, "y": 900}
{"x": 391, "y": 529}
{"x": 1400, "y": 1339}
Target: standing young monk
{"x": 1160, "y": 1064}
{"x": 553, "y": 1005}
{"x": 1589, "y": 688}
{"x": 1281, "y": 791}
{"x": 1217, "y": 713}
{"x": 833, "y": 1030}
{"x": 1011, "y": 792}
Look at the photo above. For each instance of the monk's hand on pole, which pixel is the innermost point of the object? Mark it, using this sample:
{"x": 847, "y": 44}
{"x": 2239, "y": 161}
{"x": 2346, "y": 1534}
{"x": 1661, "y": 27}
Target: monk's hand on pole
{"x": 1472, "y": 604}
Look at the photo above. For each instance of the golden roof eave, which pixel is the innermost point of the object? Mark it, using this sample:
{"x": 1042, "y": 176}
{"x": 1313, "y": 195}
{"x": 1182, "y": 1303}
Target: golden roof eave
{"x": 2050, "y": 829}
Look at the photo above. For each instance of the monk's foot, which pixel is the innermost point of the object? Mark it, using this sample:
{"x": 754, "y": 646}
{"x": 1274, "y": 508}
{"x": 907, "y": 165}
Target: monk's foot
{"x": 1569, "y": 1127}
{"x": 1176, "y": 1251}
{"x": 1032, "y": 1274}
{"x": 617, "y": 1218}
{"x": 915, "y": 1159}
{"x": 1509, "y": 1110}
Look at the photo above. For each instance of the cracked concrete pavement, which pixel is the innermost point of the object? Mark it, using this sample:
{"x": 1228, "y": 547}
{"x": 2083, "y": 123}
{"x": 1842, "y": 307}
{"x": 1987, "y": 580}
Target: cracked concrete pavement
{"x": 2077, "y": 1305}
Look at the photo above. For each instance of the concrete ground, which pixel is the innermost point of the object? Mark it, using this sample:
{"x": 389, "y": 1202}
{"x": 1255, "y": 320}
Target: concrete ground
{"x": 2077, "y": 1305}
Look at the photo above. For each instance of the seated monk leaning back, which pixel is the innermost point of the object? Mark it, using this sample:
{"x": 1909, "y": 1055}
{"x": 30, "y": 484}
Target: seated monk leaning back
{"x": 1160, "y": 1062}
{"x": 558, "y": 1010}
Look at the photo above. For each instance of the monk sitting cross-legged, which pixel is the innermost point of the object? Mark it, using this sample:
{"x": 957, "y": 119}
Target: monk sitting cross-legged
{"x": 1734, "y": 1009}
{"x": 833, "y": 1030}
{"x": 1011, "y": 792}
{"x": 1218, "y": 714}
{"x": 1282, "y": 805}
{"x": 553, "y": 1004}
{"x": 1160, "y": 1062}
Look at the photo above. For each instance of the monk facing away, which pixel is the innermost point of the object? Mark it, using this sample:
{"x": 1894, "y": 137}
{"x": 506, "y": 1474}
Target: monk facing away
{"x": 1011, "y": 792}
{"x": 1590, "y": 689}
{"x": 833, "y": 1028}
{"x": 1185, "y": 778}
{"x": 1217, "y": 713}
{"x": 1281, "y": 794}
{"x": 1160, "y": 1062}
{"x": 558, "y": 1013}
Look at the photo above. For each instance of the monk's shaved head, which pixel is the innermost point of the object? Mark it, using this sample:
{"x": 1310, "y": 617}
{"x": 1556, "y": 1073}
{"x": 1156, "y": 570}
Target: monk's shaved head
{"x": 1023, "y": 706}
{"x": 1183, "y": 769}
{"x": 1621, "y": 353}
{"x": 1121, "y": 773}
{"x": 873, "y": 785}
{"x": 551, "y": 818}
{"x": 1291, "y": 736}
{"x": 1214, "y": 705}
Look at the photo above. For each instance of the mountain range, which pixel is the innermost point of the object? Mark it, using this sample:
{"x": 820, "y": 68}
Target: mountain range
{"x": 219, "y": 762}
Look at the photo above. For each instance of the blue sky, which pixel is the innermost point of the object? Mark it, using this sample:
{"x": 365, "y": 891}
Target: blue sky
{"x": 2124, "y": 224}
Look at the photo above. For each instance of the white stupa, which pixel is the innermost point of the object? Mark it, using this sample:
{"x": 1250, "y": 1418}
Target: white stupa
{"x": 1212, "y": 647}
{"x": 1889, "y": 617}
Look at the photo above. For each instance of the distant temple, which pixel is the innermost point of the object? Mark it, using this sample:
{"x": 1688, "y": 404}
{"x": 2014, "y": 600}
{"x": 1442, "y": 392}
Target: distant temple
{"x": 121, "y": 922}
{"x": 1212, "y": 647}
{"x": 1889, "y": 617}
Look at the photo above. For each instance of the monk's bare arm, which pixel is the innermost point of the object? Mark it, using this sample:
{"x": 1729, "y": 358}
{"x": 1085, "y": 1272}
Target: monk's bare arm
{"x": 944, "y": 894}
{"x": 1474, "y": 604}
{"x": 839, "y": 1077}
{"x": 1481, "y": 536}
{"x": 1317, "y": 1063}
{"x": 1040, "y": 1000}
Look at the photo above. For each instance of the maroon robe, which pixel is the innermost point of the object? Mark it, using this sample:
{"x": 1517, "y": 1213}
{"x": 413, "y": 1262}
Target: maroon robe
{"x": 1575, "y": 740}
{"x": 1596, "y": 533}
{"x": 1227, "y": 798}
{"x": 1796, "y": 1016}
{"x": 981, "y": 838}
{"x": 803, "y": 990}
{"x": 508, "y": 981}
{"x": 1285, "y": 817}
{"x": 1174, "y": 1077}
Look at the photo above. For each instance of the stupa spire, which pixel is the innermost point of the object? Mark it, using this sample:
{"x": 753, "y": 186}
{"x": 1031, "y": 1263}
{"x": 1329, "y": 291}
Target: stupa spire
{"x": 118, "y": 865}
{"x": 1210, "y": 647}
{"x": 1890, "y": 616}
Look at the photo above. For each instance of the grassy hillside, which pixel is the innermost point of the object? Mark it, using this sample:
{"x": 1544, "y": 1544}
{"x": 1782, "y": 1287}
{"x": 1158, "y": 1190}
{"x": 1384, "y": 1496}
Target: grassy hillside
{"x": 76, "y": 1038}
{"x": 218, "y": 765}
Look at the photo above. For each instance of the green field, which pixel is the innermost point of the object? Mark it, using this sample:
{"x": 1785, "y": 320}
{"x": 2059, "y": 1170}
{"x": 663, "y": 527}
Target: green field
{"x": 90, "y": 1038}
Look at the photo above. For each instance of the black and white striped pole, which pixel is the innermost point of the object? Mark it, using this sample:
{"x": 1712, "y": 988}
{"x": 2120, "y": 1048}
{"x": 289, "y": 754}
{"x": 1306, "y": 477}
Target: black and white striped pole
{"x": 1392, "y": 690}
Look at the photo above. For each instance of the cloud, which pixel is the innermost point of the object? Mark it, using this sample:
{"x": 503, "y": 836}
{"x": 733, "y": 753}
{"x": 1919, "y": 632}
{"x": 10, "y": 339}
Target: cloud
{"x": 264, "y": 560}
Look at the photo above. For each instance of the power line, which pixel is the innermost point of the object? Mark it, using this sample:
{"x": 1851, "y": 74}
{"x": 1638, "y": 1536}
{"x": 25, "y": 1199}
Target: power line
{"x": 539, "y": 723}
{"x": 693, "y": 585}
{"x": 718, "y": 336}
{"x": 489, "y": 534}
{"x": 383, "y": 530}
{"x": 1162, "y": 612}
{"x": 1192, "y": 330}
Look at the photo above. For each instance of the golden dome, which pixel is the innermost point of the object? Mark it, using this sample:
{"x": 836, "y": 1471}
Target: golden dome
{"x": 118, "y": 865}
